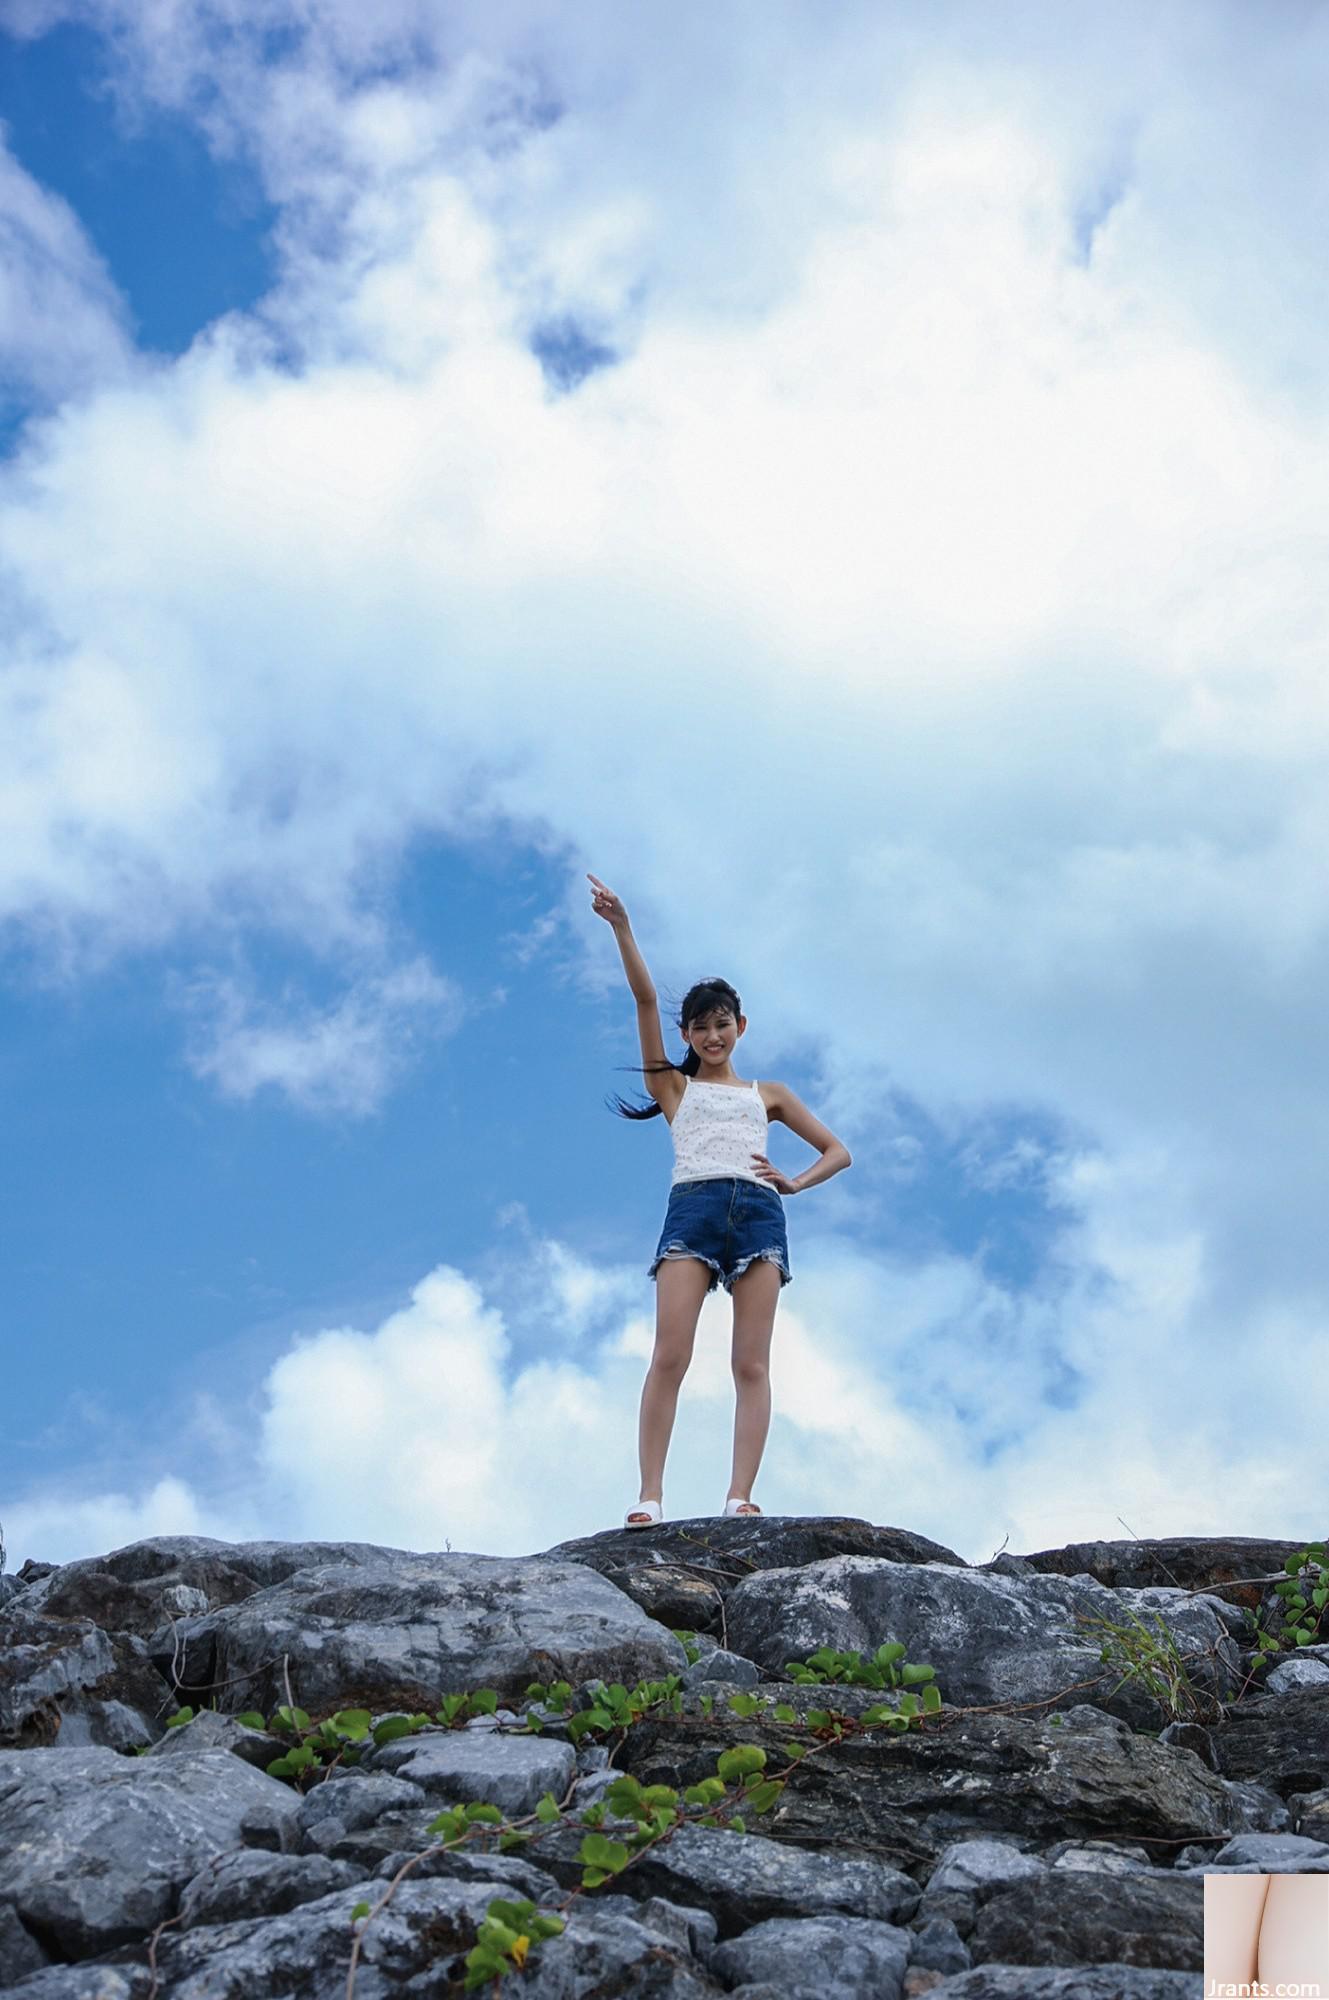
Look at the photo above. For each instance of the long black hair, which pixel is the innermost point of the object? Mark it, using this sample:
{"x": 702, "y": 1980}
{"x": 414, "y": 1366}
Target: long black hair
{"x": 708, "y": 996}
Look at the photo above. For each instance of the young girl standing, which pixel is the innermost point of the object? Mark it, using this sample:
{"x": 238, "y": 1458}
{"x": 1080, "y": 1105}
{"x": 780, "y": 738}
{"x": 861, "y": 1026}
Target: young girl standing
{"x": 725, "y": 1219}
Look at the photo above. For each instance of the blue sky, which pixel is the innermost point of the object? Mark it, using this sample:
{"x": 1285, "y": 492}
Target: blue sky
{"x": 434, "y": 465}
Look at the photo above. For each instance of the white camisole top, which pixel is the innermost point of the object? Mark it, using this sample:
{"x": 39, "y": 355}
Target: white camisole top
{"x": 717, "y": 1128}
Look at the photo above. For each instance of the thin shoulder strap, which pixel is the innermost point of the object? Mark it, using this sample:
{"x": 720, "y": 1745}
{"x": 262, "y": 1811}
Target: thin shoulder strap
{"x": 756, "y": 1086}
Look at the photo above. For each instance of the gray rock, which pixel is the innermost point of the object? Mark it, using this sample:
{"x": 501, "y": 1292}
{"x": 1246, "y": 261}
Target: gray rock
{"x": 511, "y": 1772}
{"x": 1099, "y": 1857}
{"x": 1310, "y": 1812}
{"x": 978, "y": 1867}
{"x": 744, "y": 1878}
{"x": 417, "y": 1945}
{"x": 71, "y": 1682}
{"x": 720, "y": 1665}
{"x": 210, "y": 1730}
{"x": 20, "y": 1952}
{"x": 938, "y": 1947}
{"x": 246, "y": 1884}
{"x": 167, "y": 1576}
{"x": 510, "y": 1873}
{"x": 1084, "y": 1715}
{"x": 1298, "y": 1672}
{"x": 1077, "y": 1918}
{"x": 1191, "y": 1736}
{"x": 1273, "y": 1853}
{"x": 85, "y": 1982}
{"x": 353, "y": 1800}
{"x": 1280, "y": 1741}
{"x": 805, "y": 1959}
{"x": 397, "y": 1633}
{"x": 991, "y": 1638}
{"x": 906, "y": 1798}
{"x": 1190, "y": 1563}
{"x": 687, "y": 1929}
{"x": 1085, "y": 1982}
{"x": 99, "y": 1845}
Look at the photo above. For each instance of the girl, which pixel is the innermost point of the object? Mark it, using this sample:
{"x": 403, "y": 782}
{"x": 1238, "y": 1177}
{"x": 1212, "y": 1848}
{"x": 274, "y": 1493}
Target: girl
{"x": 725, "y": 1219}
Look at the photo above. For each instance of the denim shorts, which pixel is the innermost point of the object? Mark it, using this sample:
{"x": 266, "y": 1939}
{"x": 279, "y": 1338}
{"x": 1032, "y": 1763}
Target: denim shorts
{"x": 726, "y": 1223}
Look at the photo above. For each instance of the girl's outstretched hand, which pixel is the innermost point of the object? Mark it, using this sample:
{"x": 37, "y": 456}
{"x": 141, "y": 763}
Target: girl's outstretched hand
{"x": 605, "y": 903}
{"x": 772, "y": 1175}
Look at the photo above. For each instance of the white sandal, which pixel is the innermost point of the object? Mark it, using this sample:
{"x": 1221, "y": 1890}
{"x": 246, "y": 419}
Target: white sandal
{"x": 745, "y": 1509}
{"x": 652, "y": 1509}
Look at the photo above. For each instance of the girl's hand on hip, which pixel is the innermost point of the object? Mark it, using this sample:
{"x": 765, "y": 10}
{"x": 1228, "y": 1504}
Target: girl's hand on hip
{"x": 605, "y": 903}
{"x": 772, "y": 1175}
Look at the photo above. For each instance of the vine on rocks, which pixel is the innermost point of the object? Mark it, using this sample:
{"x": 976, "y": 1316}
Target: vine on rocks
{"x": 1304, "y": 1592}
{"x": 645, "y": 1815}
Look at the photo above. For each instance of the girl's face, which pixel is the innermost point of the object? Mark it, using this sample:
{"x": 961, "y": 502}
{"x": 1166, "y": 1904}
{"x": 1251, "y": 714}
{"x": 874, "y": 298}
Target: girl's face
{"x": 714, "y": 1037}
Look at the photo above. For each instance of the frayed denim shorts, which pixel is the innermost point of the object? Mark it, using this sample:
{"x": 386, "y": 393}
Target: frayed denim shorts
{"x": 726, "y": 1223}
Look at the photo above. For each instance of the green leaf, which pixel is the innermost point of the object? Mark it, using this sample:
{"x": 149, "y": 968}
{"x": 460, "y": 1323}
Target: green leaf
{"x": 251, "y": 1719}
{"x": 352, "y": 1721}
{"x": 591, "y": 1878}
{"x": 301, "y": 1757}
{"x": 782, "y": 1712}
{"x": 763, "y": 1796}
{"x": 281, "y": 1767}
{"x": 484, "y": 1701}
{"x": 391, "y": 1727}
{"x": 500, "y": 1935}
{"x": 487, "y": 1814}
{"x": 180, "y": 1718}
{"x": 547, "y": 1810}
{"x": 706, "y": 1793}
{"x": 598, "y": 1851}
{"x": 741, "y": 1761}
{"x": 360, "y": 1910}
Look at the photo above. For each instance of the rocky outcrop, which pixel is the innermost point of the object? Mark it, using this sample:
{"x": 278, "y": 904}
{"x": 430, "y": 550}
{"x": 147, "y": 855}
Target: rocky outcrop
{"x": 1043, "y": 1834}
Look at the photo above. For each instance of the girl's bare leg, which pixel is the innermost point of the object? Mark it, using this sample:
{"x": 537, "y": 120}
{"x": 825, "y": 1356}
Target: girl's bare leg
{"x": 680, "y": 1287}
{"x": 755, "y": 1295}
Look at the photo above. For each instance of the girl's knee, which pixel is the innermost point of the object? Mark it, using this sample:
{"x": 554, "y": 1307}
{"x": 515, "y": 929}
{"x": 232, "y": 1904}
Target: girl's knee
{"x": 750, "y": 1373}
{"x": 671, "y": 1363}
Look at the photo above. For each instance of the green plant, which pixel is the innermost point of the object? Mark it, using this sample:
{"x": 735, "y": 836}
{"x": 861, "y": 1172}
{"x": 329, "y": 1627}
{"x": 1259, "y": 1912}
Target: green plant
{"x": 886, "y": 1668}
{"x": 612, "y": 1707}
{"x": 1152, "y": 1661}
{"x": 688, "y": 1641}
{"x": 1304, "y": 1593}
{"x": 652, "y": 1812}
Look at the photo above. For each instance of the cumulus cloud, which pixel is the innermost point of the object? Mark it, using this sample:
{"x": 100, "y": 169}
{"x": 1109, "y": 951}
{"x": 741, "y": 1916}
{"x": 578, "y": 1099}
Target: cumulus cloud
{"x": 69, "y": 1525}
{"x": 908, "y": 1393}
{"x": 919, "y": 619}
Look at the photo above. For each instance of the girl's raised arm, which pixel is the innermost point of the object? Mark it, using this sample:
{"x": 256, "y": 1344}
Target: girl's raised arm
{"x": 665, "y": 1085}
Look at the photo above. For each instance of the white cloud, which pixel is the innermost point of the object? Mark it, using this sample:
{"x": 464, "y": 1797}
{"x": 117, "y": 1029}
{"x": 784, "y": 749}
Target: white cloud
{"x": 56, "y": 1526}
{"x": 914, "y": 1396}
{"x": 342, "y": 1058}
{"x": 921, "y": 623}
{"x": 63, "y": 325}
